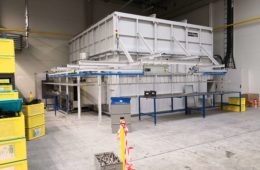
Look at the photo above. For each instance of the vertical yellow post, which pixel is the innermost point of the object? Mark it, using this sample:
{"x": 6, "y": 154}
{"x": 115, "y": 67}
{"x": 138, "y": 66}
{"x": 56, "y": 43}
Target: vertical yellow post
{"x": 122, "y": 144}
{"x": 30, "y": 97}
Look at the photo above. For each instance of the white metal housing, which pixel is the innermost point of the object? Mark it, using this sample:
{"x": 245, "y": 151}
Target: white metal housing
{"x": 140, "y": 35}
{"x": 124, "y": 37}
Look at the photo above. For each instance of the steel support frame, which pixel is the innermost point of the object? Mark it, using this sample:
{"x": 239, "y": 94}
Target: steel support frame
{"x": 186, "y": 108}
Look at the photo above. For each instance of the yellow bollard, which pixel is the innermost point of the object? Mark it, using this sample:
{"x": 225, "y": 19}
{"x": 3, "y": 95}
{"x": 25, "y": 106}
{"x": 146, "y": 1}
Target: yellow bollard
{"x": 30, "y": 97}
{"x": 122, "y": 144}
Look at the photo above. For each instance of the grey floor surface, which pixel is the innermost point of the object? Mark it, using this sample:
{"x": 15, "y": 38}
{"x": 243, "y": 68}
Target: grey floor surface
{"x": 223, "y": 141}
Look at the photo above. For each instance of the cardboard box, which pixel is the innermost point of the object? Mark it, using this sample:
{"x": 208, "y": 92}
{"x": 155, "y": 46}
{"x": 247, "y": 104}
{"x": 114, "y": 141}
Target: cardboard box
{"x": 250, "y": 97}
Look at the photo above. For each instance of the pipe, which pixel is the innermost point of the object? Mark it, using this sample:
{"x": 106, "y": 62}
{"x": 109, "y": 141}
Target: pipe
{"x": 37, "y": 32}
{"x": 58, "y": 75}
{"x": 229, "y": 56}
{"x": 27, "y": 29}
{"x": 236, "y": 23}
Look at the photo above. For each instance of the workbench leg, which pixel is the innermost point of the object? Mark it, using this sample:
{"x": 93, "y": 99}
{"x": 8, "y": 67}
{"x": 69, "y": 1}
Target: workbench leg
{"x": 154, "y": 113}
{"x": 79, "y": 98}
{"x": 139, "y": 107}
{"x": 203, "y": 106}
{"x": 172, "y": 104}
{"x": 55, "y": 105}
{"x": 214, "y": 101}
{"x": 221, "y": 101}
{"x": 240, "y": 98}
{"x": 186, "y": 104}
{"x": 46, "y": 104}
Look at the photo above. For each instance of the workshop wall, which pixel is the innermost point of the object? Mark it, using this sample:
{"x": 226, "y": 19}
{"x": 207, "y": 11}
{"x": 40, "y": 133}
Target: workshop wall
{"x": 246, "y": 40}
{"x": 63, "y": 16}
{"x": 44, "y": 52}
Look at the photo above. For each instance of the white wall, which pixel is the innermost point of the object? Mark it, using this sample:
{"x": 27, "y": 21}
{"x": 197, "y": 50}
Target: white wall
{"x": 246, "y": 41}
{"x": 246, "y": 44}
{"x": 44, "y": 52}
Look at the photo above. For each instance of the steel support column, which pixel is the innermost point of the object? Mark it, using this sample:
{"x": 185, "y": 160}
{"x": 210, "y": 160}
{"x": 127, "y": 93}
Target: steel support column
{"x": 79, "y": 102}
{"x": 99, "y": 99}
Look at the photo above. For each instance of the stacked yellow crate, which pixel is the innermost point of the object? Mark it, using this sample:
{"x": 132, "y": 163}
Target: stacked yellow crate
{"x": 233, "y": 101}
{"x": 7, "y": 64}
{"x": 13, "y": 143}
{"x": 34, "y": 120}
{"x": 7, "y": 59}
{"x": 12, "y": 136}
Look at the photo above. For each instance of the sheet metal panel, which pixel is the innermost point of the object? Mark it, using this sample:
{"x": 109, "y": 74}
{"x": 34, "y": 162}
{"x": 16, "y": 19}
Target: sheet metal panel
{"x": 101, "y": 38}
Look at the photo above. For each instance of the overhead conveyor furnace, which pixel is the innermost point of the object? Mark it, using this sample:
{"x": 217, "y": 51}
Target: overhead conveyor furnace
{"x": 126, "y": 54}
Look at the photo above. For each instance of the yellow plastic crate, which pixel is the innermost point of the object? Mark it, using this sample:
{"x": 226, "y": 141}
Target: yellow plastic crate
{"x": 8, "y": 95}
{"x": 19, "y": 165}
{"x": 34, "y": 109}
{"x": 7, "y": 47}
{"x": 34, "y": 121}
{"x": 6, "y": 87}
{"x": 4, "y": 81}
{"x": 35, "y": 132}
{"x": 235, "y": 100}
{"x": 12, "y": 128}
{"x": 12, "y": 150}
{"x": 226, "y": 108}
{"x": 7, "y": 64}
{"x": 237, "y": 108}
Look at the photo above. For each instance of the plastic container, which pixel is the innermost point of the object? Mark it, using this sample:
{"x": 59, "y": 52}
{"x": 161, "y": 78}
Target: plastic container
{"x": 8, "y": 95}
{"x": 35, "y": 132}
{"x": 12, "y": 150}
{"x": 237, "y": 108}
{"x": 234, "y": 108}
{"x": 11, "y": 105}
{"x": 120, "y": 100}
{"x": 7, "y": 47}
{"x": 12, "y": 128}
{"x": 6, "y": 87}
{"x": 7, "y": 64}
{"x": 34, "y": 109}
{"x": 19, "y": 165}
{"x": 235, "y": 100}
{"x": 4, "y": 81}
{"x": 34, "y": 121}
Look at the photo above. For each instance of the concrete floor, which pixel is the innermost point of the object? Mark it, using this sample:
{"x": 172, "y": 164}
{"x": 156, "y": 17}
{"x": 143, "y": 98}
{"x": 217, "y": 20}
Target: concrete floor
{"x": 223, "y": 141}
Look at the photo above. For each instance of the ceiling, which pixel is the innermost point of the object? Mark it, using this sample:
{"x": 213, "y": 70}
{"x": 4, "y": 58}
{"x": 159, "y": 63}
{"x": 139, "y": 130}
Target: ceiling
{"x": 163, "y": 8}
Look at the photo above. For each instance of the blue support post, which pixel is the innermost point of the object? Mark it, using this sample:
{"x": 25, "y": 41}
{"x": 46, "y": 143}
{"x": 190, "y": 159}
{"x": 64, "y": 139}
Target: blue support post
{"x": 55, "y": 105}
{"x": 221, "y": 102}
{"x": 240, "y": 98}
{"x": 186, "y": 104}
{"x": 203, "y": 106}
{"x": 139, "y": 107}
{"x": 154, "y": 103}
{"x": 214, "y": 101}
{"x": 46, "y": 104}
{"x": 172, "y": 104}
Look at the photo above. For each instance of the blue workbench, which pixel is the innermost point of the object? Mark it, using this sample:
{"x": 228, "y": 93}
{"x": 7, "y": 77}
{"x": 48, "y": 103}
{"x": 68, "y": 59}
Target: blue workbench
{"x": 186, "y": 108}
